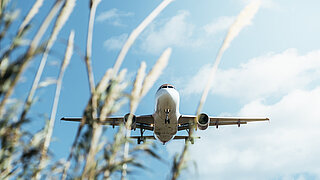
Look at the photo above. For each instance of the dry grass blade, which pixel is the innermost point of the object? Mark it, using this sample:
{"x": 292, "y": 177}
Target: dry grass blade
{"x": 44, "y": 26}
{"x": 140, "y": 90}
{"x": 136, "y": 32}
{"x": 136, "y": 91}
{"x": 30, "y": 53}
{"x": 61, "y": 20}
{"x": 93, "y": 7}
{"x": 97, "y": 129}
{"x": 178, "y": 164}
{"x": 135, "y": 98}
{"x": 104, "y": 82}
{"x": 33, "y": 11}
{"x": 18, "y": 38}
{"x": 47, "y": 139}
{"x": 242, "y": 20}
{"x": 155, "y": 72}
{"x": 132, "y": 38}
{"x": 8, "y": 20}
{"x": 114, "y": 92}
{"x": 47, "y": 82}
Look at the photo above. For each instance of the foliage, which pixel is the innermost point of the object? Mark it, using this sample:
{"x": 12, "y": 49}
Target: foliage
{"x": 25, "y": 154}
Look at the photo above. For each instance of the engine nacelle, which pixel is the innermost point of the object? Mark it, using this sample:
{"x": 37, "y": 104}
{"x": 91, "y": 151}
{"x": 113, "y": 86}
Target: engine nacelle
{"x": 203, "y": 121}
{"x": 133, "y": 124}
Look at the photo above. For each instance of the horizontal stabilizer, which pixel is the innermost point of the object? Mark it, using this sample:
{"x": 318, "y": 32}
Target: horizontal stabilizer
{"x": 146, "y": 137}
{"x": 184, "y": 137}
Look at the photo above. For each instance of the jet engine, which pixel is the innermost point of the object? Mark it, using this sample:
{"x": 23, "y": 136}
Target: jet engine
{"x": 133, "y": 124}
{"x": 203, "y": 121}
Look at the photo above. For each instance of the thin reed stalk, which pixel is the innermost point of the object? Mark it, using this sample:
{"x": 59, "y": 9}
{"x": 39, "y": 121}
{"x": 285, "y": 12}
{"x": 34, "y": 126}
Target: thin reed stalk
{"x": 136, "y": 32}
{"x": 93, "y": 7}
{"x": 139, "y": 91}
{"x": 115, "y": 69}
{"x": 61, "y": 20}
{"x": 47, "y": 139}
{"x": 93, "y": 100}
{"x": 135, "y": 98}
{"x": 179, "y": 164}
{"x": 242, "y": 20}
{"x": 27, "y": 57}
{"x": 30, "y": 53}
{"x": 96, "y": 128}
{"x": 33, "y": 11}
{"x": 8, "y": 21}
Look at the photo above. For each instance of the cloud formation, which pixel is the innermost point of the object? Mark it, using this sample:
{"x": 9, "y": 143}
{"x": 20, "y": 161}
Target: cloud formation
{"x": 174, "y": 32}
{"x": 268, "y": 4}
{"x": 115, "y": 42}
{"x": 220, "y": 24}
{"x": 264, "y": 76}
{"x": 265, "y": 150}
{"x": 274, "y": 150}
{"x": 113, "y": 16}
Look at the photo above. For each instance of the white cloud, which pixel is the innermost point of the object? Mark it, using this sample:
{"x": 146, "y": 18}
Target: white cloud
{"x": 219, "y": 25}
{"x": 286, "y": 147}
{"x": 115, "y": 42}
{"x": 175, "y": 32}
{"x": 268, "y": 4}
{"x": 113, "y": 16}
{"x": 265, "y": 76}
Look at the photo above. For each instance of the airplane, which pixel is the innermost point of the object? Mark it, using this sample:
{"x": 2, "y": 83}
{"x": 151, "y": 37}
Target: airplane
{"x": 166, "y": 120}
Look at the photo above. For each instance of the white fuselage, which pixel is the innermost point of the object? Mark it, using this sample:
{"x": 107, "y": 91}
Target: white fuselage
{"x": 166, "y": 114}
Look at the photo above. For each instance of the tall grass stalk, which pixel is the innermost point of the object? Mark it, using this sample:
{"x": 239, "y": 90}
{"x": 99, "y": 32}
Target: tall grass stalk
{"x": 61, "y": 20}
{"x": 93, "y": 100}
{"x": 16, "y": 75}
{"x": 96, "y": 157}
{"x": 115, "y": 70}
{"x": 139, "y": 91}
{"x": 96, "y": 128}
{"x": 33, "y": 11}
{"x": 30, "y": 53}
{"x": 47, "y": 139}
{"x": 11, "y": 16}
{"x": 112, "y": 96}
{"x": 114, "y": 93}
{"x": 136, "y": 32}
{"x": 178, "y": 164}
{"x": 242, "y": 20}
{"x": 93, "y": 7}
{"x": 137, "y": 86}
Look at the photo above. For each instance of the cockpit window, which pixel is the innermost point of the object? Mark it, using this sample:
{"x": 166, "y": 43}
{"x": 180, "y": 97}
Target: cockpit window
{"x": 166, "y": 86}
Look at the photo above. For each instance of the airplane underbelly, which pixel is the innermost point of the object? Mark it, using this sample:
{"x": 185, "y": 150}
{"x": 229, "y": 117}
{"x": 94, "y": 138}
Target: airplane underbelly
{"x": 166, "y": 115}
{"x": 165, "y": 131}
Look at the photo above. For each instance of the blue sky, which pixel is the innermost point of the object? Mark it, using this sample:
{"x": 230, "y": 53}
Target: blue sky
{"x": 271, "y": 69}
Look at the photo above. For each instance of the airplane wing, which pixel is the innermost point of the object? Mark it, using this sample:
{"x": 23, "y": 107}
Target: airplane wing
{"x": 185, "y": 120}
{"x": 142, "y": 122}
